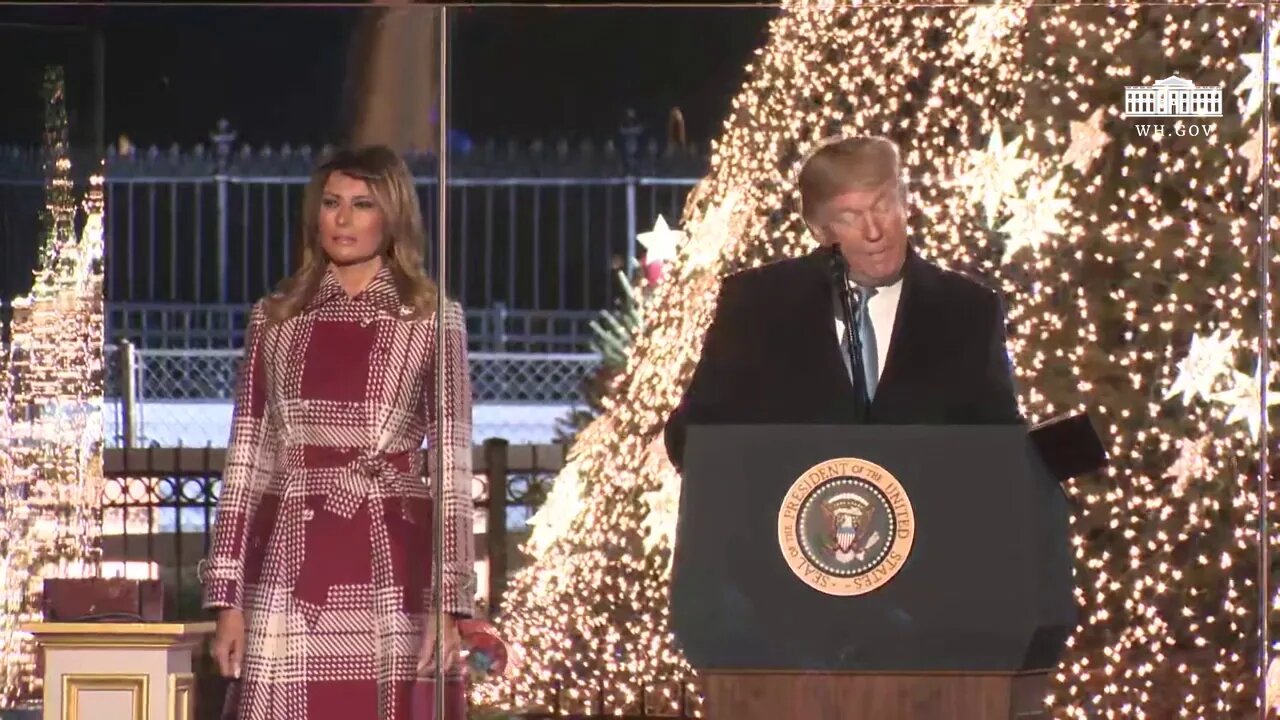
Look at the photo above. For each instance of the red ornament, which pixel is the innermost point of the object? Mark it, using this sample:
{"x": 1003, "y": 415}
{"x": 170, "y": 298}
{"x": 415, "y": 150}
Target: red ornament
{"x": 487, "y": 653}
{"x": 654, "y": 271}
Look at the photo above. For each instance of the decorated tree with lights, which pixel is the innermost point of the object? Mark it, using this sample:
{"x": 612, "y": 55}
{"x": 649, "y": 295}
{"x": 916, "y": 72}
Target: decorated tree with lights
{"x": 614, "y": 330}
{"x": 1130, "y": 269}
{"x": 51, "y": 394}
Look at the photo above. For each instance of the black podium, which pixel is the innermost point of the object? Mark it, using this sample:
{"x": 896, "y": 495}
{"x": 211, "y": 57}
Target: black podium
{"x": 871, "y": 571}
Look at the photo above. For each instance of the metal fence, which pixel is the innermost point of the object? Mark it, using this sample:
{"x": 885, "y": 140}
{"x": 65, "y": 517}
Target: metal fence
{"x": 539, "y": 229}
{"x": 159, "y": 505}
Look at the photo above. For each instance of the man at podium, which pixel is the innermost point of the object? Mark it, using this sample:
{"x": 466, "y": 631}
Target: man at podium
{"x": 862, "y": 330}
{"x": 849, "y": 544}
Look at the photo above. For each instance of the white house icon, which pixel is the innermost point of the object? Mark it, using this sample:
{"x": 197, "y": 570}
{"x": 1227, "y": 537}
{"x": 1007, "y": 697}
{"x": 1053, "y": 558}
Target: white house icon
{"x": 1172, "y": 97}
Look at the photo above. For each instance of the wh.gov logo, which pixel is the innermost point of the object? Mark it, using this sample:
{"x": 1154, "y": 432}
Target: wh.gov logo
{"x": 1173, "y": 97}
{"x": 1159, "y": 130}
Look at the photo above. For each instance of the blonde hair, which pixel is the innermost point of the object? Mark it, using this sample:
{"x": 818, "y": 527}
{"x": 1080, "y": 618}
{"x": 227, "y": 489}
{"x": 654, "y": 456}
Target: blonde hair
{"x": 848, "y": 163}
{"x": 393, "y": 191}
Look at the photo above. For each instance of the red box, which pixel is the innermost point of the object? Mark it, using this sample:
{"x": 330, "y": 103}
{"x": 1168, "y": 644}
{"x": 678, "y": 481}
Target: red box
{"x": 102, "y": 600}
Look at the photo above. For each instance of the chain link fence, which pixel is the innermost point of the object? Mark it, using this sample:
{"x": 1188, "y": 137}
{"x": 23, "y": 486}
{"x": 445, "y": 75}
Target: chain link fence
{"x": 183, "y": 397}
{"x": 199, "y": 374}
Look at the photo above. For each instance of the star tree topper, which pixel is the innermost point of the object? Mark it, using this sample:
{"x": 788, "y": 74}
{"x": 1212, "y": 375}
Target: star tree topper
{"x": 660, "y": 245}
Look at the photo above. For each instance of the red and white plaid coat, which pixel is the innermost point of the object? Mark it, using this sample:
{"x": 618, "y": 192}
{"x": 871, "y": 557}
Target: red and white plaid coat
{"x": 324, "y": 529}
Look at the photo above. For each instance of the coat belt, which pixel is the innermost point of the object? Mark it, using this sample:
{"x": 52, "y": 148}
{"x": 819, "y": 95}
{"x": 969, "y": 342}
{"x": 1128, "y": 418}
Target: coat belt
{"x": 368, "y": 477}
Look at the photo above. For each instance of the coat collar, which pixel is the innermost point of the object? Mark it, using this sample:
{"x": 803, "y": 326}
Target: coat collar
{"x": 381, "y": 292}
{"x": 918, "y": 280}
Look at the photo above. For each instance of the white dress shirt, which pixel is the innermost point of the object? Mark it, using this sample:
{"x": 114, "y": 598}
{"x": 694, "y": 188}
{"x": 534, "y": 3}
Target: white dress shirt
{"x": 883, "y": 310}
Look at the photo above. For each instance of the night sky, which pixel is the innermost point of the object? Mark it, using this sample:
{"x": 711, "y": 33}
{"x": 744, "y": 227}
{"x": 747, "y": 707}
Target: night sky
{"x": 278, "y": 73}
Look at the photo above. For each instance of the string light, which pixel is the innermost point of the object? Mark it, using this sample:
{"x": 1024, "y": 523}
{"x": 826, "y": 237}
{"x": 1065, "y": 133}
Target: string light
{"x": 51, "y": 394}
{"x": 1141, "y": 244}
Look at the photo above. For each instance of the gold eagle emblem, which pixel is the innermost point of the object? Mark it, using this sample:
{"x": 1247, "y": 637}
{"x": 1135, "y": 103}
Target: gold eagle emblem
{"x": 850, "y": 519}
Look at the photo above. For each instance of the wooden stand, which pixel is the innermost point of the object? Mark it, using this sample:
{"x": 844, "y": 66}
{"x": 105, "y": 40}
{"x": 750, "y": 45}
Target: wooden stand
{"x": 118, "y": 671}
{"x": 819, "y": 696}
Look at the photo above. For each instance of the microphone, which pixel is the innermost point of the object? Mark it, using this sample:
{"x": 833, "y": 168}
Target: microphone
{"x": 839, "y": 268}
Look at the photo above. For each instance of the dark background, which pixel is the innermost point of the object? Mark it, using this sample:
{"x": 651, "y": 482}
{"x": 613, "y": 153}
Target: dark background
{"x": 163, "y": 75}
{"x": 278, "y": 74}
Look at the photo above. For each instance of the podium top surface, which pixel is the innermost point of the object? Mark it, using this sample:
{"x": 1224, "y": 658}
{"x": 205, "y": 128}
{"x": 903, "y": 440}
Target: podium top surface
{"x": 118, "y": 634}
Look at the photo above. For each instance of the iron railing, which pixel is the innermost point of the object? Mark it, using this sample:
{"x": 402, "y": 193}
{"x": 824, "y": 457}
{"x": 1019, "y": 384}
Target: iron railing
{"x": 538, "y": 228}
{"x": 159, "y": 506}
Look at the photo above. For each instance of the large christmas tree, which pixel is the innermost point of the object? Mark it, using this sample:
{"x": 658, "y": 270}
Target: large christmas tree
{"x": 1130, "y": 264}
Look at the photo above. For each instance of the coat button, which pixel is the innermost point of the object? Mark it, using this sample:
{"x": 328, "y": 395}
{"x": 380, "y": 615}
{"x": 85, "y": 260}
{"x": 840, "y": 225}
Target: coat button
{"x": 308, "y": 514}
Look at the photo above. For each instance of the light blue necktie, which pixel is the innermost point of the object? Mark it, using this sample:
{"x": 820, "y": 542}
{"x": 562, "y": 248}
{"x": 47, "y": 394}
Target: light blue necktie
{"x": 867, "y": 336}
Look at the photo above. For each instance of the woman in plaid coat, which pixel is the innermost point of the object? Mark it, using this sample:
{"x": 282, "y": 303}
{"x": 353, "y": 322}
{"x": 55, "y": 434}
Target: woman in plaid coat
{"x": 321, "y": 565}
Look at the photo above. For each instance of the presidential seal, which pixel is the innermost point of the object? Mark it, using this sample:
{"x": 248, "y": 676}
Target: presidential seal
{"x": 846, "y": 527}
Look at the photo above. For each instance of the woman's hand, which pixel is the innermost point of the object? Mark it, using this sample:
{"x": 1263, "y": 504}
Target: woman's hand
{"x": 228, "y": 642}
{"x": 452, "y": 644}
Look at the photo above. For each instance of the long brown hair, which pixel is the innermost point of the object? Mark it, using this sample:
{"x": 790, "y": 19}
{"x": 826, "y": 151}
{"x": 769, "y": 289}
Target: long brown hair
{"x": 393, "y": 192}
